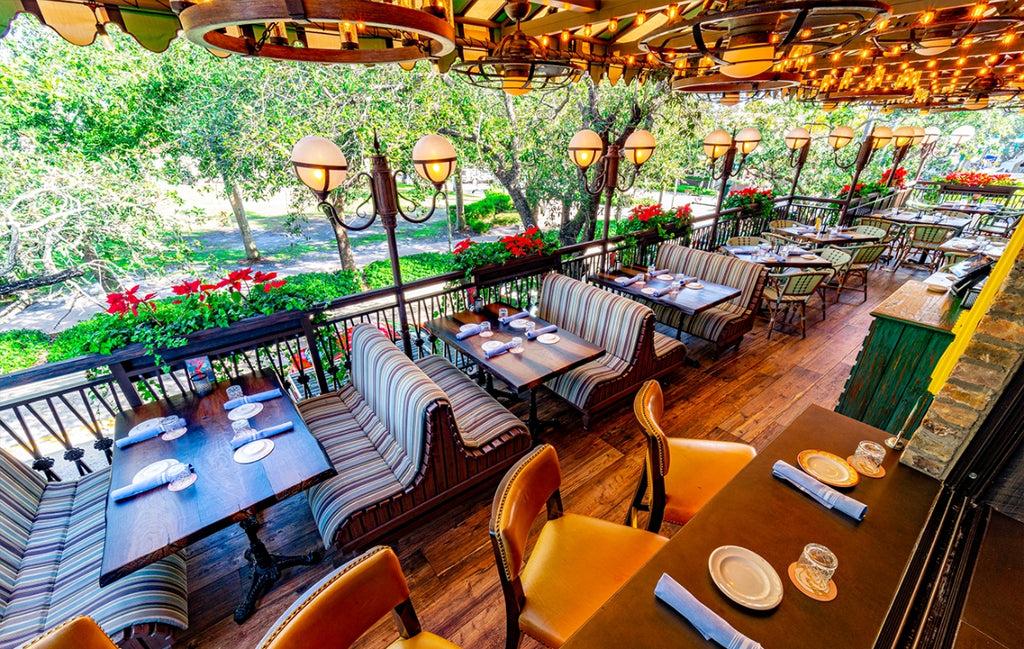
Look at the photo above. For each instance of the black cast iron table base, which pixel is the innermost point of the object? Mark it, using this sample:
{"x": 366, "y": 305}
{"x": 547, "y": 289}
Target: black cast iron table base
{"x": 266, "y": 568}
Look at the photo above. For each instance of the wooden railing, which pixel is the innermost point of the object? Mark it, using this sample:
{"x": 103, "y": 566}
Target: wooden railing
{"x": 58, "y": 408}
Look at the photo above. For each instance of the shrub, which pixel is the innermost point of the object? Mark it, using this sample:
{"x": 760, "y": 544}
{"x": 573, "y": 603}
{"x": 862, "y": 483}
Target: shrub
{"x": 22, "y": 348}
{"x": 419, "y": 266}
{"x": 478, "y": 213}
{"x": 751, "y": 196}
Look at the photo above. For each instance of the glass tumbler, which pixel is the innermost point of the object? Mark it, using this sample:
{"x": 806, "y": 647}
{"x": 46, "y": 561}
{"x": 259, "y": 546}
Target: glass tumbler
{"x": 502, "y": 312}
{"x": 868, "y": 456}
{"x": 815, "y": 567}
{"x": 235, "y": 392}
{"x": 517, "y": 345}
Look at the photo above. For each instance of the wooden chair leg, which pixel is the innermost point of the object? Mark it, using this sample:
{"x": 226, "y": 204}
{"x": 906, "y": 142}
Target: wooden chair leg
{"x": 803, "y": 319}
{"x": 637, "y": 504}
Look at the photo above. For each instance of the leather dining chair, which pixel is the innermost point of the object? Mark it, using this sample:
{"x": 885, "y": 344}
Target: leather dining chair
{"x": 77, "y": 633}
{"x": 577, "y": 562}
{"x": 680, "y": 474}
{"x": 342, "y": 606}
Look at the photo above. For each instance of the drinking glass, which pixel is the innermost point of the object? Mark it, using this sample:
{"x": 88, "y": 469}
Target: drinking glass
{"x": 502, "y": 312}
{"x": 180, "y": 476}
{"x": 235, "y": 392}
{"x": 650, "y": 271}
{"x": 868, "y": 456}
{"x": 815, "y": 567}
{"x": 673, "y": 288}
{"x": 169, "y": 423}
{"x": 517, "y": 345}
{"x": 530, "y": 326}
{"x": 485, "y": 329}
{"x": 241, "y": 426}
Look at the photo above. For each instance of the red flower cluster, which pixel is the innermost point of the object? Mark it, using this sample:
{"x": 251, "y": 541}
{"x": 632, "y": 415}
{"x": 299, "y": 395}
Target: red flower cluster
{"x": 122, "y": 303}
{"x": 900, "y": 176}
{"x": 750, "y": 192}
{"x": 976, "y": 178}
{"x": 846, "y": 188}
{"x": 645, "y": 213}
{"x": 527, "y": 243}
{"x": 463, "y": 245}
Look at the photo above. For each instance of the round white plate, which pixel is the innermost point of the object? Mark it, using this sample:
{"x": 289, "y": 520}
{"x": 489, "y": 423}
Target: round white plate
{"x": 254, "y": 451}
{"x": 647, "y": 291}
{"x": 808, "y": 256}
{"x": 467, "y": 327}
{"x": 548, "y": 339}
{"x": 830, "y": 469}
{"x": 245, "y": 411}
{"x": 521, "y": 323}
{"x": 153, "y": 470}
{"x": 665, "y": 278}
{"x": 145, "y": 426}
{"x": 491, "y": 344}
{"x": 621, "y": 280}
{"x": 695, "y": 286}
{"x": 745, "y": 578}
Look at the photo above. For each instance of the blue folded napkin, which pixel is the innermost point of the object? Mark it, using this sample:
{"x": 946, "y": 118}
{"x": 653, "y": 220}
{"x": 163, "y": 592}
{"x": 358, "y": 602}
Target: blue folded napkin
{"x": 147, "y": 433}
{"x": 469, "y": 331}
{"x": 252, "y": 398}
{"x": 796, "y": 251}
{"x": 710, "y": 625}
{"x": 491, "y": 353}
{"x": 821, "y": 492}
{"x": 515, "y": 316}
{"x": 136, "y": 488}
{"x": 742, "y": 250}
{"x": 626, "y": 281}
{"x": 241, "y": 440}
{"x": 842, "y": 235}
{"x": 658, "y": 271}
{"x": 550, "y": 329}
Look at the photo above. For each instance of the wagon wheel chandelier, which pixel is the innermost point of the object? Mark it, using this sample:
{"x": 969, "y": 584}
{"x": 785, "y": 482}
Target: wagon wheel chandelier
{"x": 932, "y": 33}
{"x": 749, "y": 39}
{"x": 326, "y": 31}
{"x": 520, "y": 63}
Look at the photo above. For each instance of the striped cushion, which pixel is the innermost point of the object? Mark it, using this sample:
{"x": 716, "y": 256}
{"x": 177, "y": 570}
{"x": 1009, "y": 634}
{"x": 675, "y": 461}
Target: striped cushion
{"x": 364, "y": 477}
{"x": 21, "y": 489}
{"x": 59, "y": 577}
{"x": 709, "y": 267}
{"x": 576, "y": 385}
{"x": 664, "y": 345}
{"x": 398, "y": 393}
{"x": 607, "y": 320}
{"x": 479, "y": 418}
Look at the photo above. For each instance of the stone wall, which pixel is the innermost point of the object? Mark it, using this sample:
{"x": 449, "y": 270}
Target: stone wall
{"x": 993, "y": 355}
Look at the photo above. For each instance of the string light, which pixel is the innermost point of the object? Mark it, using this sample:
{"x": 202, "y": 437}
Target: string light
{"x": 934, "y": 75}
{"x": 904, "y": 65}
{"x": 641, "y": 18}
{"x": 673, "y": 12}
{"x": 587, "y": 30}
{"x": 865, "y": 53}
{"x": 967, "y": 42}
{"x": 882, "y": 24}
{"x": 1010, "y": 69}
{"x": 836, "y": 56}
{"x": 978, "y": 11}
{"x": 960, "y": 61}
{"x": 544, "y": 40}
{"x": 613, "y": 24}
{"x": 565, "y": 35}
{"x": 805, "y": 34}
{"x": 992, "y": 59}
{"x": 926, "y": 17}
{"x": 630, "y": 60}
{"x": 1008, "y": 38}
{"x": 932, "y": 63}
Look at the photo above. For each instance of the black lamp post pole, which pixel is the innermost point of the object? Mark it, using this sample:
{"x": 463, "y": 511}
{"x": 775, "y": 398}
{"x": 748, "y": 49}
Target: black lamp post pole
{"x": 801, "y": 160}
{"x": 730, "y": 157}
{"x": 863, "y": 157}
{"x": 610, "y": 182}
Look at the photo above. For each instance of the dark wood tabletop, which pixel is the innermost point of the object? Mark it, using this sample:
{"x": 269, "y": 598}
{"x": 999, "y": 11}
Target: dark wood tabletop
{"x": 748, "y": 253}
{"x": 159, "y": 522}
{"x": 911, "y": 217}
{"x": 688, "y": 300}
{"x": 828, "y": 237}
{"x": 538, "y": 362}
{"x": 773, "y": 519}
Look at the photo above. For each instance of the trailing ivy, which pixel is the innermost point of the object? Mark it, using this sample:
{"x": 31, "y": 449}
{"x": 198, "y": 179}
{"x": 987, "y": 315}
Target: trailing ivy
{"x": 22, "y": 348}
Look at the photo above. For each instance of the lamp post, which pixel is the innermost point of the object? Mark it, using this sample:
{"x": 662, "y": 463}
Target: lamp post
{"x": 842, "y": 136}
{"x": 719, "y": 145}
{"x": 798, "y": 141}
{"x": 959, "y": 136}
{"x": 587, "y": 147}
{"x": 928, "y": 142}
{"x": 322, "y": 167}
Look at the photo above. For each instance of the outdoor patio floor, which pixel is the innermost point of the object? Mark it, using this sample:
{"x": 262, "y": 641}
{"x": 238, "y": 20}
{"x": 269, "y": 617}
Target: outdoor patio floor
{"x": 750, "y": 395}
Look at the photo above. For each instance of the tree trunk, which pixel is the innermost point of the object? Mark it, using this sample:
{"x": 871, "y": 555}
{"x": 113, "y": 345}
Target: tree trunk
{"x": 460, "y": 203}
{"x": 107, "y": 280}
{"x": 348, "y": 262}
{"x": 252, "y": 253}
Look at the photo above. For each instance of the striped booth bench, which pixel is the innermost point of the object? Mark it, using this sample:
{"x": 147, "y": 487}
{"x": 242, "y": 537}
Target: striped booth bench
{"x": 634, "y": 351}
{"x": 404, "y": 437}
{"x": 725, "y": 323}
{"x": 51, "y": 546}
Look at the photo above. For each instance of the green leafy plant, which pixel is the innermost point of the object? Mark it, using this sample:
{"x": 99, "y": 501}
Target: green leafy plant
{"x": 646, "y": 216}
{"x": 479, "y": 213}
{"x": 469, "y": 254}
{"x": 760, "y": 201}
{"x": 377, "y": 274}
{"x": 22, "y": 348}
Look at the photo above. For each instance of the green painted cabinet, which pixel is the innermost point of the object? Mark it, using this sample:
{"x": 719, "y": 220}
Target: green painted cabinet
{"x": 911, "y": 330}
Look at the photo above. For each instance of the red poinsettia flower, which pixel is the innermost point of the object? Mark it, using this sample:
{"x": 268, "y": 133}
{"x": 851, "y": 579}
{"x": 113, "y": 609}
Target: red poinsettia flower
{"x": 463, "y": 246}
{"x": 122, "y": 303}
{"x": 235, "y": 278}
{"x": 260, "y": 277}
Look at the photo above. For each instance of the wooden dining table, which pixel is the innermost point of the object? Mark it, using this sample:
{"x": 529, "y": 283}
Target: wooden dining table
{"x": 538, "y": 362}
{"x": 827, "y": 237}
{"x": 773, "y": 519}
{"x": 158, "y": 523}
{"x": 773, "y": 260}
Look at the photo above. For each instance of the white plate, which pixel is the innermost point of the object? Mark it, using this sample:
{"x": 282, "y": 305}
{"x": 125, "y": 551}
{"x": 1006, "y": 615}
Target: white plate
{"x": 745, "y": 578}
{"x": 254, "y": 451}
{"x": 152, "y": 470}
{"x": 245, "y": 411}
{"x": 467, "y": 327}
{"x": 647, "y": 291}
{"x": 145, "y": 426}
{"x": 808, "y": 256}
{"x": 521, "y": 323}
{"x": 491, "y": 344}
{"x": 666, "y": 278}
{"x": 548, "y": 339}
{"x": 695, "y": 286}
{"x": 830, "y": 469}
{"x": 621, "y": 280}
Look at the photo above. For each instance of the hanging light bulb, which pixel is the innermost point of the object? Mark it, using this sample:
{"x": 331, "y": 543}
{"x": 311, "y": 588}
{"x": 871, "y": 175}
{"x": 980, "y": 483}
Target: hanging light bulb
{"x": 613, "y": 25}
{"x": 641, "y": 18}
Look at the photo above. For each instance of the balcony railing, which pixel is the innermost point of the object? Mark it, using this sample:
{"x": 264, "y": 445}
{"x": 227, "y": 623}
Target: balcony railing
{"x": 55, "y": 410}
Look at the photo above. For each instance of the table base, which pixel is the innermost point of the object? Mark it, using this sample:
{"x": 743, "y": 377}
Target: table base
{"x": 266, "y": 568}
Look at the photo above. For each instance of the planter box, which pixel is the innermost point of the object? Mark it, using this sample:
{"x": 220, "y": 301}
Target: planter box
{"x": 490, "y": 274}
{"x": 990, "y": 190}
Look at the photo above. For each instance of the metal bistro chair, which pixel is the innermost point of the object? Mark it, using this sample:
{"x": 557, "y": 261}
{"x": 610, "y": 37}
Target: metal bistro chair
{"x": 77, "y": 633}
{"x": 745, "y": 241}
{"x": 577, "y": 562}
{"x": 788, "y": 289}
{"x": 864, "y": 258}
{"x": 778, "y": 224}
{"x": 782, "y": 240}
{"x": 340, "y": 608}
{"x": 871, "y": 231}
{"x": 679, "y": 474}
{"x": 925, "y": 239}
{"x": 1000, "y": 225}
{"x": 840, "y": 260}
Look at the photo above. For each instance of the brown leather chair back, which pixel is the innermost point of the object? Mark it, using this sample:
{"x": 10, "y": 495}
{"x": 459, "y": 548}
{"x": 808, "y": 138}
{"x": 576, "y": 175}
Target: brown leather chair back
{"x": 339, "y": 609}
{"x": 520, "y": 497}
{"x": 77, "y": 633}
{"x": 648, "y": 406}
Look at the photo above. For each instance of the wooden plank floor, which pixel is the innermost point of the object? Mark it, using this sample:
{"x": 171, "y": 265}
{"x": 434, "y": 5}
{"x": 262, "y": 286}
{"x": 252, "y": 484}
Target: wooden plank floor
{"x": 750, "y": 396}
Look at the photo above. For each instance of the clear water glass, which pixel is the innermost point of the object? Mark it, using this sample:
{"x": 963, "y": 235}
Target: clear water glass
{"x": 815, "y": 567}
{"x": 241, "y": 426}
{"x": 485, "y": 329}
{"x": 179, "y": 475}
{"x": 650, "y": 271}
{"x": 169, "y": 423}
{"x": 517, "y": 345}
{"x": 530, "y": 326}
{"x": 235, "y": 392}
{"x": 674, "y": 287}
{"x": 869, "y": 456}
{"x": 502, "y": 312}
